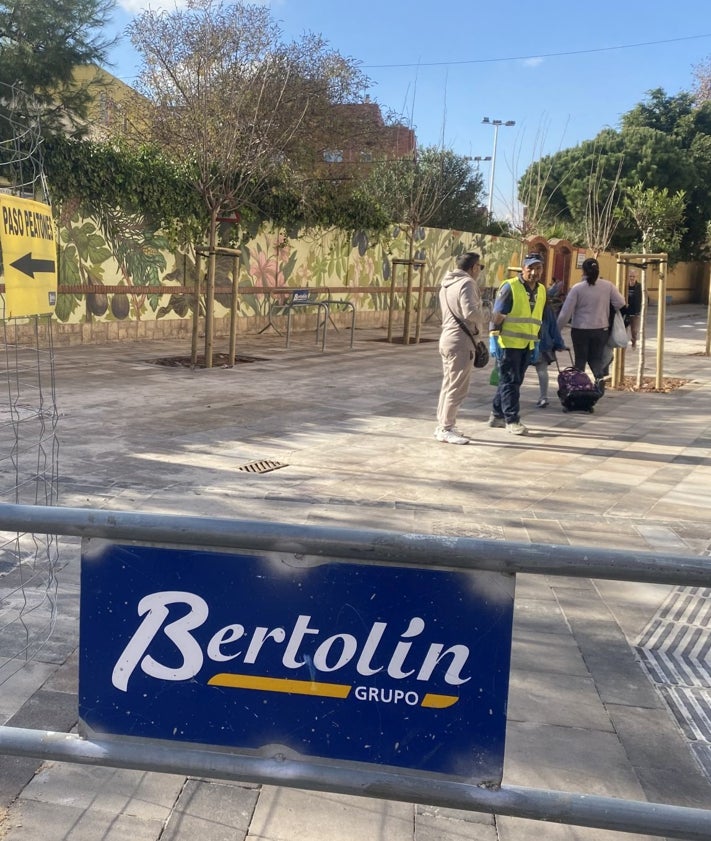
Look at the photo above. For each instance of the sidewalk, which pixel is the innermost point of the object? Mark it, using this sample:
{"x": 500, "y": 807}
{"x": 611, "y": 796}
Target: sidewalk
{"x": 353, "y": 431}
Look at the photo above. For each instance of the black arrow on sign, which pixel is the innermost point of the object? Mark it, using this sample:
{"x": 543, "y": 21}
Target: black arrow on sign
{"x": 29, "y": 265}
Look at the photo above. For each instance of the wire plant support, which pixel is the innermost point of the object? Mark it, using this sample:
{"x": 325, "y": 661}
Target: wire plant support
{"x": 29, "y": 446}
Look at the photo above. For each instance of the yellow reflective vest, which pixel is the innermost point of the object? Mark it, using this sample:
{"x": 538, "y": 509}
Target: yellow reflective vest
{"x": 522, "y": 325}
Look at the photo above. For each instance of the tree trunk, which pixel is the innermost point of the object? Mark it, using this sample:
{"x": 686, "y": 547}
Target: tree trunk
{"x": 210, "y": 291}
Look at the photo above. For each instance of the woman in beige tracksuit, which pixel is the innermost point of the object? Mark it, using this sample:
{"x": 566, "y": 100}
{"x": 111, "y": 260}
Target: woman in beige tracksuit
{"x": 458, "y": 296}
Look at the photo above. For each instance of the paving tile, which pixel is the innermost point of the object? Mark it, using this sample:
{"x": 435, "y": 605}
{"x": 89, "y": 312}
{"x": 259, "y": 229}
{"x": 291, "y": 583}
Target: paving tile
{"x": 211, "y": 810}
{"x": 286, "y": 814}
{"x": 436, "y": 824}
{"x": 147, "y": 795}
{"x": 520, "y": 829}
{"x": 568, "y": 759}
{"x": 30, "y": 821}
{"x": 564, "y": 700}
{"x": 547, "y": 653}
{"x": 19, "y": 680}
{"x": 662, "y": 758}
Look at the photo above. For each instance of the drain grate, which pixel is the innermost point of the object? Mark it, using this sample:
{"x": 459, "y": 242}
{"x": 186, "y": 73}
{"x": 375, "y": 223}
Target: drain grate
{"x": 263, "y": 466}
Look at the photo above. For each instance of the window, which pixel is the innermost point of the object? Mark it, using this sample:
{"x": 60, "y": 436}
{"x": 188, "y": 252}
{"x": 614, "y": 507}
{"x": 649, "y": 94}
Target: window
{"x": 333, "y": 156}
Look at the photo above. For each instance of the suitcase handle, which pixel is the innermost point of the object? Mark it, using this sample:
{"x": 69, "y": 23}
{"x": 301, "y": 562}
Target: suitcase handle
{"x": 557, "y": 364}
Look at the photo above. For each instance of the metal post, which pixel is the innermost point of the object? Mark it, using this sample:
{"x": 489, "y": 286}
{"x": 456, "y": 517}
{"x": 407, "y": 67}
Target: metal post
{"x": 490, "y": 208}
{"x": 495, "y": 124}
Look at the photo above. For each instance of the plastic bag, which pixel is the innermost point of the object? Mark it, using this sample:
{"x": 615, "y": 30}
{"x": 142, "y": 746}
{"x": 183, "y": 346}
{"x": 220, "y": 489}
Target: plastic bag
{"x": 618, "y": 333}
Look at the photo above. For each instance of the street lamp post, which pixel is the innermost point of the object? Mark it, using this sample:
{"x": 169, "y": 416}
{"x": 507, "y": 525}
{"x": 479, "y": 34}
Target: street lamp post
{"x": 495, "y": 124}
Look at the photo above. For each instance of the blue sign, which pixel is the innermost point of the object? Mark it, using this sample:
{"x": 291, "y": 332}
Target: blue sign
{"x": 398, "y": 666}
{"x": 300, "y": 296}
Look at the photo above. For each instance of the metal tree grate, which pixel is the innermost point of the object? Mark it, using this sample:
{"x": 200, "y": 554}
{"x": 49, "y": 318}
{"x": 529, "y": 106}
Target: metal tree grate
{"x": 263, "y": 466}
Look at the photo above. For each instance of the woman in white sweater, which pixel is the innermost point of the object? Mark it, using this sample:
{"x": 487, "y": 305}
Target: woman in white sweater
{"x": 460, "y": 301}
{"x": 587, "y": 309}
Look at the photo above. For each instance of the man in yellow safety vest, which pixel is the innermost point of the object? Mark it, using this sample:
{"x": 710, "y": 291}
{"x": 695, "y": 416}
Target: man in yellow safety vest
{"x": 514, "y": 331}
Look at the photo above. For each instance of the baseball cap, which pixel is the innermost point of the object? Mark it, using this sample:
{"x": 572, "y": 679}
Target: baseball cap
{"x": 532, "y": 259}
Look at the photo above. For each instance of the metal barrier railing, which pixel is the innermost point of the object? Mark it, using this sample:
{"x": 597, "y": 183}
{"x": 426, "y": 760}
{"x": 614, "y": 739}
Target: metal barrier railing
{"x": 383, "y": 548}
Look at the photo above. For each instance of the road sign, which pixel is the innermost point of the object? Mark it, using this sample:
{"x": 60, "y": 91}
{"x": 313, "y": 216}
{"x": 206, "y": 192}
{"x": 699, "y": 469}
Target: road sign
{"x": 29, "y": 257}
{"x": 397, "y": 666}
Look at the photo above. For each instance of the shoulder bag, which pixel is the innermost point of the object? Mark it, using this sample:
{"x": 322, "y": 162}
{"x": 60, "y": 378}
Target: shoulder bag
{"x": 481, "y": 351}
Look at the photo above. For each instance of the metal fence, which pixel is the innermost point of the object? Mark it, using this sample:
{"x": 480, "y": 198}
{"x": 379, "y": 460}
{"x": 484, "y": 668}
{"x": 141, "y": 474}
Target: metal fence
{"x": 383, "y": 548}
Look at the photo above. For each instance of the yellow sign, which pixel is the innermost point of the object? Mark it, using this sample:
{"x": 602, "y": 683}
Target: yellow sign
{"x": 29, "y": 257}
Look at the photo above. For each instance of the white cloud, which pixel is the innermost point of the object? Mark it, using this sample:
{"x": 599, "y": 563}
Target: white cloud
{"x": 534, "y": 61}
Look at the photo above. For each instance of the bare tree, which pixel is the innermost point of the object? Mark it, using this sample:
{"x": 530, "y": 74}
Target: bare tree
{"x": 702, "y": 77}
{"x": 226, "y": 97}
{"x": 602, "y": 208}
{"x": 414, "y": 190}
{"x": 531, "y": 194}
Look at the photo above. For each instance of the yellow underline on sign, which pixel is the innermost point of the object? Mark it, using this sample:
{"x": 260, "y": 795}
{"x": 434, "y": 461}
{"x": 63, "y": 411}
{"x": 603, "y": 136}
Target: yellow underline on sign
{"x": 277, "y": 684}
{"x": 439, "y": 701}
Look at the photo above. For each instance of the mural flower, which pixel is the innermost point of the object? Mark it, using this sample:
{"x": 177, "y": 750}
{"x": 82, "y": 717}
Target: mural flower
{"x": 264, "y": 271}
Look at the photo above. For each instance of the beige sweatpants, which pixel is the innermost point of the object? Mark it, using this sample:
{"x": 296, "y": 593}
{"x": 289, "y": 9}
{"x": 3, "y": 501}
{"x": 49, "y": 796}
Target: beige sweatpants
{"x": 457, "y": 361}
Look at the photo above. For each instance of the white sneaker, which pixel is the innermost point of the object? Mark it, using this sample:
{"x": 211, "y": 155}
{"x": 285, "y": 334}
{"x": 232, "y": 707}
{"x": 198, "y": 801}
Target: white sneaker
{"x": 517, "y": 428}
{"x": 496, "y": 421}
{"x": 449, "y": 436}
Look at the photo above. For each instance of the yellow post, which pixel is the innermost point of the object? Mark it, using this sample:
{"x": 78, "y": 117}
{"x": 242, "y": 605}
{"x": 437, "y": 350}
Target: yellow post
{"x": 420, "y": 302}
{"x": 196, "y": 311}
{"x": 408, "y": 304}
{"x": 391, "y": 305}
{"x": 233, "y": 307}
{"x": 617, "y": 369}
{"x": 661, "y": 318}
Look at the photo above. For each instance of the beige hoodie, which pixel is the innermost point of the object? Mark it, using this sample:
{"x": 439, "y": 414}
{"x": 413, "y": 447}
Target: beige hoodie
{"x": 459, "y": 294}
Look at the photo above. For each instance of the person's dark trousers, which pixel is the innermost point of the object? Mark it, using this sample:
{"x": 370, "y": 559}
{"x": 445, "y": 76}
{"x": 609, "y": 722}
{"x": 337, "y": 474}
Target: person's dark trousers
{"x": 512, "y": 367}
{"x": 589, "y": 349}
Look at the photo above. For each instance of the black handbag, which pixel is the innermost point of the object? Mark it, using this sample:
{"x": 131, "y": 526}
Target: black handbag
{"x": 481, "y": 354}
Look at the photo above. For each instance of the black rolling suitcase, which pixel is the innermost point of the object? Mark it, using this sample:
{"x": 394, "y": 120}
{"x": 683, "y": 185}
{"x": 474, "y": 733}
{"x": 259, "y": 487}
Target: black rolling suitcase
{"x": 576, "y": 391}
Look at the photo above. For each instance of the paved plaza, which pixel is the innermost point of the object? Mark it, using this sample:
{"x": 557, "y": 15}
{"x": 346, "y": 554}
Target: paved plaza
{"x": 594, "y": 705}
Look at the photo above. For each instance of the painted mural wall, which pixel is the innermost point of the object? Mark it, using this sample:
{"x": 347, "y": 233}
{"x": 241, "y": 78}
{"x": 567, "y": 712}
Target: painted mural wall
{"x": 120, "y": 280}
{"x": 118, "y": 273}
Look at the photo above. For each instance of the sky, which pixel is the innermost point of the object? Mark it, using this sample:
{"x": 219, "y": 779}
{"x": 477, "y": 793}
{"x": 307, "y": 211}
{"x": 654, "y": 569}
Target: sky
{"x": 561, "y": 69}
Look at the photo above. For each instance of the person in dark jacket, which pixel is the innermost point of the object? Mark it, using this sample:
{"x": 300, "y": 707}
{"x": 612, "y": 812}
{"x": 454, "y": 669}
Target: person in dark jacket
{"x": 634, "y": 306}
{"x": 550, "y": 341}
{"x": 556, "y": 295}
